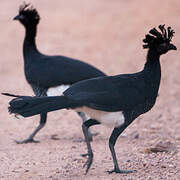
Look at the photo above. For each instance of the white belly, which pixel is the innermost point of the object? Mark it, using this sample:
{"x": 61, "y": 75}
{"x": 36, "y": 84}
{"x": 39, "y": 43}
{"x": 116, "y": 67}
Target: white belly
{"x": 57, "y": 91}
{"x": 112, "y": 119}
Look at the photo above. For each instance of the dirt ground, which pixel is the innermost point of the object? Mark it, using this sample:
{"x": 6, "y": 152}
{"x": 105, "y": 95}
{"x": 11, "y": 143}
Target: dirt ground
{"x": 107, "y": 34}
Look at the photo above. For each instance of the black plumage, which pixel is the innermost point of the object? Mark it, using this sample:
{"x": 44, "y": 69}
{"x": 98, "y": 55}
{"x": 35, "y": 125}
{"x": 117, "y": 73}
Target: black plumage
{"x": 42, "y": 71}
{"x": 129, "y": 95}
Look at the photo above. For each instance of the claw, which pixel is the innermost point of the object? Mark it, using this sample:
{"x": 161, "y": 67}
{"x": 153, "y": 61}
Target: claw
{"x": 27, "y": 141}
{"x": 121, "y": 171}
{"x": 88, "y": 162}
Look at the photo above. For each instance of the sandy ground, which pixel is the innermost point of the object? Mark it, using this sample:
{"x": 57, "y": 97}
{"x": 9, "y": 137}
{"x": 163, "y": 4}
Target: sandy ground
{"x": 107, "y": 34}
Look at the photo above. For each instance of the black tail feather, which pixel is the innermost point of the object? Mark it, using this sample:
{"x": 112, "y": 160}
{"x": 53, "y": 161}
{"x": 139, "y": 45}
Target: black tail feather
{"x": 29, "y": 106}
{"x": 12, "y": 95}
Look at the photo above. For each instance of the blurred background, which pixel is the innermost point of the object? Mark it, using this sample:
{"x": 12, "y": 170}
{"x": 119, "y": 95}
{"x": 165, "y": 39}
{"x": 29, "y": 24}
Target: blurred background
{"x": 108, "y": 35}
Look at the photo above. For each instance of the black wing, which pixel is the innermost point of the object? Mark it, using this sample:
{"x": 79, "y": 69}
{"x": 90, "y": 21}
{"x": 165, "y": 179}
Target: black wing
{"x": 111, "y": 93}
{"x": 51, "y": 71}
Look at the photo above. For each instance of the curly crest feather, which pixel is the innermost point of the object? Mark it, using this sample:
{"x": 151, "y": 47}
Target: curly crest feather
{"x": 155, "y": 37}
{"x": 30, "y": 12}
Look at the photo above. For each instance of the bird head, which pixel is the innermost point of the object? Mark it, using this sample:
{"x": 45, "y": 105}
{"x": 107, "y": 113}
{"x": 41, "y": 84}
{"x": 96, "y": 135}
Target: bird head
{"x": 160, "y": 41}
{"x": 28, "y": 15}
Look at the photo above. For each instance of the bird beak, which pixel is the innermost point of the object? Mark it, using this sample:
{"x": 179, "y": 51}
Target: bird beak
{"x": 172, "y": 47}
{"x": 18, "y": 17}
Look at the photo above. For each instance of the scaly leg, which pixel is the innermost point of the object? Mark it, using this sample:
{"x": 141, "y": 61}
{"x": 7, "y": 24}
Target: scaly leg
{"x": 85, "y": 127}
{"x": 112, "y": 140}
{"x": 83, "y": 117}
{"x": 40, "y": 126}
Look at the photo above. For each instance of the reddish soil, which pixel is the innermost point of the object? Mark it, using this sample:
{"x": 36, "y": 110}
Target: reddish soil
{"x": 107, "y": 34}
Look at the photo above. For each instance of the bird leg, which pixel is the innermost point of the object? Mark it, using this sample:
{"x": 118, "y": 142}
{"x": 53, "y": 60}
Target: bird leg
{"x": 83, "y": 117}
{"x": 40, "y": 126}
{"x": 90, "y": 153}
{"x": 112, "y": 140}
{"x": 85, "y": 127}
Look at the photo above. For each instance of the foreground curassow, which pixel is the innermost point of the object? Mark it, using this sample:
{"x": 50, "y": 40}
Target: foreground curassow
{"x": 114, "y": 100}
{"x": 48, "y": 75}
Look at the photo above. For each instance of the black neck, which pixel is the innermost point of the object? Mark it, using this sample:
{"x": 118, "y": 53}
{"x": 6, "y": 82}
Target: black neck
{"x": 30, "y": 42}
{"x": 152, "y": 75}
{"x": 152, "y": 69}
{"x": 30, "y": 35}
{"x": 151, "y": 59}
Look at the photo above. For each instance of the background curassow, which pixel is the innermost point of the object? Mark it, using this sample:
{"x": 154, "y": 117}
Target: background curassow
{"x": 114, "y": 100}
{"x": 48, "y": 75}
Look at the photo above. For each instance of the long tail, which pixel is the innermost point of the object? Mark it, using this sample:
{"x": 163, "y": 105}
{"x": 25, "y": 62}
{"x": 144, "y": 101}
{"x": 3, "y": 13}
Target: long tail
{"x": 29, "y": 106}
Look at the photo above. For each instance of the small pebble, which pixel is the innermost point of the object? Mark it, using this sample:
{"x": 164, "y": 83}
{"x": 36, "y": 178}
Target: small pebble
{"x": 163, "y": 166}
{"x": 171, "y": 166}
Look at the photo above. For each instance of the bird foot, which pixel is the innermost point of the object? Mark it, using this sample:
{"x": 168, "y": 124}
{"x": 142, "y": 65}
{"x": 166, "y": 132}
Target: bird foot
{"x": 88, "y": 162}
{"x": 29, "y": 140}
{"x": 121, "y": 171}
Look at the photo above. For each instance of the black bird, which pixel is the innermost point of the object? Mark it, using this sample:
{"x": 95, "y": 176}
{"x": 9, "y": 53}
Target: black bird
{"x": 114, "y": 100}
{"x": 48, "y": 75}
